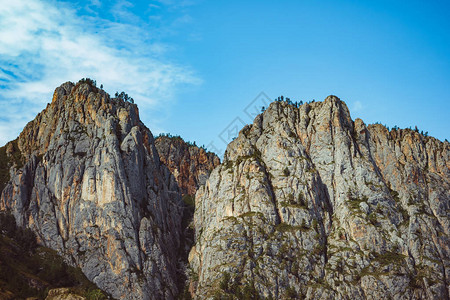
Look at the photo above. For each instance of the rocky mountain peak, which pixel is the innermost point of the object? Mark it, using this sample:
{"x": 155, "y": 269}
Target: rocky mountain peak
{"x": 76, "y": 109}
{"x": 333, "y": 114}
{"x": 311, "y": 204}
{"x": 92, "y": 188}
{"x": 307, "y": 204}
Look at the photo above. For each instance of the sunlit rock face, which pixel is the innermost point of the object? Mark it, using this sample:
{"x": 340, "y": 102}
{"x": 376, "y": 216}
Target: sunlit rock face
{"x": 190, "y": 165}
{"x": 306, "y": 204}
{"x": 93, "y": 188}
{"x": 311, "y": 204}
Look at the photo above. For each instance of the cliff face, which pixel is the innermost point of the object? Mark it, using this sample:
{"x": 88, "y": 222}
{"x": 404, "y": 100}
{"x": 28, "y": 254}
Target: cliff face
{"x": 93, "y": 188}
{"x": 309, "y": 203}
{"x": 189, "y": 164}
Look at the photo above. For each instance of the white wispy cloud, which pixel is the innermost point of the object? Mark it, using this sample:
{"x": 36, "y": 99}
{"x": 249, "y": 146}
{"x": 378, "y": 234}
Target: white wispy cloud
{"x": 357, "y": 107}
{"x": 45, "y": 43}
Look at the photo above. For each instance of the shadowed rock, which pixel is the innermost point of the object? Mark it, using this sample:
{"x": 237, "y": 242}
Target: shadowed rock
{"x": 190, "y": 165}
{"x": 93, "y": 188}
{"x": 310, "y": 204}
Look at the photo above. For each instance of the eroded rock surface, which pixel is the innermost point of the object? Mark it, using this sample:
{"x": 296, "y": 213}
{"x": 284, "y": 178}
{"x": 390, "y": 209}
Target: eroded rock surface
{"x": 190, "y": 165}
{"x": 306, "y": 204}
{"x": 93, "y": 188}
{"x": 310, "y": 204}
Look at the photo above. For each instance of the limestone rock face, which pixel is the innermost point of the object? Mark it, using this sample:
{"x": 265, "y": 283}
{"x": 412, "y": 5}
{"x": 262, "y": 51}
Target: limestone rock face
{"x": 93, "y": 188}
{"x": 309, "y": 203}
{"x": 190, "y": 165}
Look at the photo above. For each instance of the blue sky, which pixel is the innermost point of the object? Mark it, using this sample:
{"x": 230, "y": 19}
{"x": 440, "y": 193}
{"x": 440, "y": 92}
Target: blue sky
{"x": 197, "y": 68}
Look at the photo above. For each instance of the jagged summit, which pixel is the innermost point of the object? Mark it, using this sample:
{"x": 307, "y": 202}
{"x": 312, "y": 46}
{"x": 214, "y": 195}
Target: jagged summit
{"x": 306, "y": 204}
{"x": 93, "y": 188}
{"x": 311, "y": 204}
{"x": 81, "y": 104}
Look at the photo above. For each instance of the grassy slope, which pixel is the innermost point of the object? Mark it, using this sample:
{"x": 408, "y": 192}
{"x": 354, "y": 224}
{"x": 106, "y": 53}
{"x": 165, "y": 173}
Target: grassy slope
{"x": 24, "y": 274}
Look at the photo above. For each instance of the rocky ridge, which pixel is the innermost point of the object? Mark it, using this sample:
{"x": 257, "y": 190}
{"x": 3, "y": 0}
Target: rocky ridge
{"x": 92, "y": 187}
{"x": 306, "y": 204}
{"x": 190, "y": 165}
{"x": 311, "y": 204}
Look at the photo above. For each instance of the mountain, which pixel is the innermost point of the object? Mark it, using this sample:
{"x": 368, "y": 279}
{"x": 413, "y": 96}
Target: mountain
{"x": 307, "y": 203}
{"x": 310, "y": 204}
{"x": 92, "y": 187}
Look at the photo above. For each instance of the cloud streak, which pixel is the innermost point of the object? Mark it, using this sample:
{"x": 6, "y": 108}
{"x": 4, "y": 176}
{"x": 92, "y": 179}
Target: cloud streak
{"x": 43, "y": 44}
{"x": 357, "y": 107}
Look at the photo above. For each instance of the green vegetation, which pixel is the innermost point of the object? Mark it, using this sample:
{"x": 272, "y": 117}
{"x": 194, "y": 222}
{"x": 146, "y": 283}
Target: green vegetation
{"x": 256, "y": 154}
{"x": 251, "y": 214}
{"x": 380, "y": 263}
{"x": 225, "y": 282}
{"x": 300, "y": 203}
{"x": 189, "y": 200}
{"x": 354, "y": 201}
{"x": 234, "y": 289}
{"x": 372, "y": 217}
{"x": 28, "y": 270}
{"x": 388, "y": 257}
{"x": 94, "y": 294}
{"x": 188, "y": 212}
{"x": 394, "y": 195}
{"x": 7, "y": 160}
{"x": 288, "y": 100}
{"x": 180, "y": 139}
{"x": 124, "y": 96}
{"x": 304, "y": 226}
{"x": 170, "y": 136}
{"x": 25, "y": 237}
{"x": 91, "y": 82}
{"x": 284, "y": 227}
{"x": 301, "y": 200}
{"x": 4, "y": 168}
{"x": 290, "y": 293}
{"x": 315, "y": 225}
